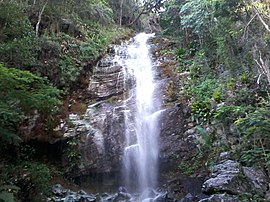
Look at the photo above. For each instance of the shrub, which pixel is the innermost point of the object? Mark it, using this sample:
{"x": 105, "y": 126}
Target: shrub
{"x": 255, "y": 144}
{"x": 201, "y": 111}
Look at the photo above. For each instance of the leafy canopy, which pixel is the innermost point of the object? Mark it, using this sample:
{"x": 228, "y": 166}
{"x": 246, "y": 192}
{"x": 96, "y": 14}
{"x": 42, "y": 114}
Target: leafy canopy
{"x": 22, "y": 94}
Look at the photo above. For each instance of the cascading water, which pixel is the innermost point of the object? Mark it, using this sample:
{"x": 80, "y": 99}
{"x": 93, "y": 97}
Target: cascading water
{"x": 142, "y": 110}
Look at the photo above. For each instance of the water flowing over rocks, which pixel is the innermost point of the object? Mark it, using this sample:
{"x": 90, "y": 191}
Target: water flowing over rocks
{"x": 100, "y": 136}
{"x": 100, "y": 131}
{"x": 61, "y": 194}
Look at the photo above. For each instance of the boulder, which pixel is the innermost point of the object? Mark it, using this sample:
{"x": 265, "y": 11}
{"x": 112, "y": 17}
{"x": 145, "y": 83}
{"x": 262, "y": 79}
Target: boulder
{"x": 226, "y": 177}
{"x": 229, "y": 177}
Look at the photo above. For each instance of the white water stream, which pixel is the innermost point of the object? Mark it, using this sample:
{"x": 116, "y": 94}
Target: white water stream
{"x": 142, "y": 111}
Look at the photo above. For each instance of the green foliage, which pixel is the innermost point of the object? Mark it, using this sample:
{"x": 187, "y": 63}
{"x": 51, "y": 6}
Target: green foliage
{"x": 193, "y": 165}
{"x": 204, "y": 93}
{"x": 70, "y": 70}
{"x": 244, "y": 77}
{"x": 74, "y": 53}
{"x": 19, "y": 52}
{"x": 207, "y": 88}
{"x": 59, "y": 57}
{"x": 22, "y": 94}
{"x": 199, "y": 65}
{"x": 208, "y": 139}
{"x": 72, "y": 155}
{"x": 24, "y": 178}
{"x": 230, "y": 113}
{"x": 40, "y": 176}
{"x": 227, "y": 47}
{"x": 251, "y": 197}
{"x": 14, "y": 24}
{"x": 197, "y": 15}
{"x": 18, "y": 44}
{"x": 95, "y": 9}
{"x": 26, "y": 91}
{"x": 201, "y": 111}
{"x": 170, "y": 19}
{"x": 7, "y": 193}
{"x": 255, "y": 128}
{"x": 244, "y": 96}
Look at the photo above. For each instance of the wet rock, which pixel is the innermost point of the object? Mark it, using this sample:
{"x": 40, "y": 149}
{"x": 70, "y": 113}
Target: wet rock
{"x": 226, "y": 177}
{"x": 148, "y": 193}
{"x": 224, "y": 156}
{"x": 108, "y": 78}
{"x": 220, "y": 198}
{"x": 66, "y": 195}
{"x": 185, "y": 189}
{"x": 188, "y": 198}
{"x": 100, "y": 136}
{"x": 116, "y": 197}
{"x": 162, "y": 197}
{"x": 121, "y": 196}
{"x": 58, "y": 190}
{"x": 173, "y": 145}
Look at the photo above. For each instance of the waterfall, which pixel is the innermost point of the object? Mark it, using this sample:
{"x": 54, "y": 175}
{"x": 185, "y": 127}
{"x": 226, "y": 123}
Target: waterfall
{"x": 142, "y": 111}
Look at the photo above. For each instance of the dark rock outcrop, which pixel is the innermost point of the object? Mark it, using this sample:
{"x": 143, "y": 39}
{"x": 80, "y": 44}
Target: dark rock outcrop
{"x": 234, "y": 180}
{"x": 101, "y": 136}
{"x": 173, "y": 143}
{"x": 108, "y": 78}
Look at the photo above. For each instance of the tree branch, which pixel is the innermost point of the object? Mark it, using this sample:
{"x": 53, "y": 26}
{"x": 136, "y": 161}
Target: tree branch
{"x": 249, "y": 24}
{"x": 263, "y": 68}
{"x": 261, "y": 19}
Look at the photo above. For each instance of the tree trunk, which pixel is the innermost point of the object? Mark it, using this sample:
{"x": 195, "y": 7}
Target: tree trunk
{"x": 39, "y": 17}
{"x": 121, "y": 12}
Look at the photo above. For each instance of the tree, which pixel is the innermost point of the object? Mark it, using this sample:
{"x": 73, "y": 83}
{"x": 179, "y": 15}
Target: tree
{"x": 129, "y": 12}
{"x": 23, "y": 94}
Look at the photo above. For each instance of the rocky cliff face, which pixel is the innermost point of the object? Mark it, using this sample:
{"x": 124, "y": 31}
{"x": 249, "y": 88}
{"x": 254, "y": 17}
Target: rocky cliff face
{"x": 100, "y": 138}
{"x": 107, "y": 79}
{"x": 100, "y": 130}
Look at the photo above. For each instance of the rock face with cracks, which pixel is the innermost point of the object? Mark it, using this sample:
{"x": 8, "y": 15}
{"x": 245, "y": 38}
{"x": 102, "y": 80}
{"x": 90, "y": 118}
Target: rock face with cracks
{"x": 226, "y": 177}
{"x": 101, "y": 136}
{"x": 234, "y": 180}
